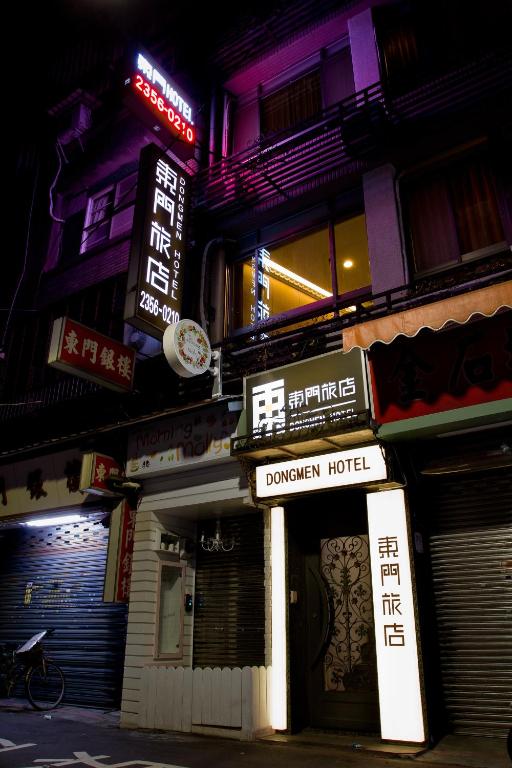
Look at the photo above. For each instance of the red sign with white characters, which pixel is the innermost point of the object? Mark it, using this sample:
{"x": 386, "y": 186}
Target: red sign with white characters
{"x": 440, "y": 371}
{"x": 124, "y": 563}
{"x": 86, "y": 353}
{"x": 97, "y": 468}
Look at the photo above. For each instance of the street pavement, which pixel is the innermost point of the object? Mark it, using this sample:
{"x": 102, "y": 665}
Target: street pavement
{"x": 85, "y": 738}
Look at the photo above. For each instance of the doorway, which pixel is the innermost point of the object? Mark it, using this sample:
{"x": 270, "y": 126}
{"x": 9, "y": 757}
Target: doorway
{"x": 332, "y": 639}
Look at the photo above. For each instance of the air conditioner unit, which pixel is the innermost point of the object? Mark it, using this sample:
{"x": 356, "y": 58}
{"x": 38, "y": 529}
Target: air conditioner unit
{"x": 78, "y": 122}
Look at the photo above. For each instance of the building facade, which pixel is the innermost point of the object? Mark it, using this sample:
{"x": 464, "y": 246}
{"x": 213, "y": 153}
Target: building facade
{"x": 322, "y": 527}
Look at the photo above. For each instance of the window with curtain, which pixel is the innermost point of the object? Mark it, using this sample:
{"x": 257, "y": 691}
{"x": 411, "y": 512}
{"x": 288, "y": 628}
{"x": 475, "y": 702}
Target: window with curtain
{"x": 277, "y": 278}
{"x": 453, "y": 213}
{"x": 291, "y": 105}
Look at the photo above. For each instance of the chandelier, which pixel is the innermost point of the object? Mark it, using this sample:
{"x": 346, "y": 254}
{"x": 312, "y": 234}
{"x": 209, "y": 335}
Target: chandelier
{"x": 216, "y": 543}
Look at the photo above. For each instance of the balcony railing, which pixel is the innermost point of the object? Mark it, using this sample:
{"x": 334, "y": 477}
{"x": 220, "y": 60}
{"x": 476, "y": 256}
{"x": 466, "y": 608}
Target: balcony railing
{"x": 344, "y": 140}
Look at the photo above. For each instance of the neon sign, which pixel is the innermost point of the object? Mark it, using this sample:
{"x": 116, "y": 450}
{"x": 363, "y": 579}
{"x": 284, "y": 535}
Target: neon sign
{"x": 152, "y": 87}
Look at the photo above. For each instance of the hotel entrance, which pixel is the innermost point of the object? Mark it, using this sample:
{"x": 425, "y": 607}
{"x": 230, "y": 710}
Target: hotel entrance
{"x": 333, "y": 670}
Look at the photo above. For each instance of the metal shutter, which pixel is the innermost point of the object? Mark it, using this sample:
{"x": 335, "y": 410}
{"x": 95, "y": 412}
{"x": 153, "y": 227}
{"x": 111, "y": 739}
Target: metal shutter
{"x": 471, "y": 550}
{"x": 53, "y": 577}
{"x": 229, "y": 620}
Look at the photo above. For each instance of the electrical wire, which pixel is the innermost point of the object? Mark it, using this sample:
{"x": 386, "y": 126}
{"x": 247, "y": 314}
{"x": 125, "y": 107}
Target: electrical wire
{"x": 54, "y": 183}
{"x": 25, "y": 261}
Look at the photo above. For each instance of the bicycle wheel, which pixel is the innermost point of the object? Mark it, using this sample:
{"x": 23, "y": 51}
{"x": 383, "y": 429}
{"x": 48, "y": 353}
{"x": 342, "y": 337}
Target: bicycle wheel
{"x": 44, "y": 685}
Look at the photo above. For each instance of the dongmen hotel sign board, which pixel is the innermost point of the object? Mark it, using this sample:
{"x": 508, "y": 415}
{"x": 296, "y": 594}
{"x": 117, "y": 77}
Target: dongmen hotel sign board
{"x": 325, "y": 389}
{"x": 160, "y": 102}
{"x": 331, "y": 470}
{"x": 157, "y": 255}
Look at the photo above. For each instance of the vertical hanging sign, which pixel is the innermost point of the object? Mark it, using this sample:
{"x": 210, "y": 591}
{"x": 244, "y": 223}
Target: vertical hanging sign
{"x": 157, "y": 255}
{"x": 401, "y": 706}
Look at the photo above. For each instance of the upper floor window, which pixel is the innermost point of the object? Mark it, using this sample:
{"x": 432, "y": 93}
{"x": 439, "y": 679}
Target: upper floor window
{"x": 419, "y": 41}
{"x": 281, "y": 277}
{"x": 109, "y": 213}
{"x": 291, "y": 105}
{"x": 288, "y": 99}
{"x": 453, "y": 213}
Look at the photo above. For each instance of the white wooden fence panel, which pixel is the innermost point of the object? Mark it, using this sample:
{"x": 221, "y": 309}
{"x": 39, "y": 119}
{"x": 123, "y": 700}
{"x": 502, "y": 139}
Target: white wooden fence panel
{"x": 215, "y": 708}
{"x": 235, "y": 715}
{"x": 247, "y": 686}
{"x": 186, "y": 705}
{"x": 206, "y": 709}
{"x": 225, "y": 697}
{"x": 178, "y": 698}
{"x": 197, "y": 696}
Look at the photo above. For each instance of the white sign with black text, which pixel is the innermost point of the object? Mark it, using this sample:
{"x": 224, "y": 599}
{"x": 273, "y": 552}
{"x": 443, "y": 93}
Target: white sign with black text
{"x": 401, "y": 710}
{"x": 329, "y": 470}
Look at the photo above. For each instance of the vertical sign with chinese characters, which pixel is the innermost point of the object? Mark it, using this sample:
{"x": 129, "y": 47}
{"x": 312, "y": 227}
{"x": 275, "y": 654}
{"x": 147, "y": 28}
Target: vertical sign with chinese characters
{"x": 124, "y": 563}
{"x": 86, "y": 353}
{"x": 401, "y": 706}
{"x": 157, "y": 256}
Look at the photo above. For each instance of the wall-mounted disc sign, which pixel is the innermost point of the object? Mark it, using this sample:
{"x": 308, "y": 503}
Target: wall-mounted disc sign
{"x": 187, "y": 348}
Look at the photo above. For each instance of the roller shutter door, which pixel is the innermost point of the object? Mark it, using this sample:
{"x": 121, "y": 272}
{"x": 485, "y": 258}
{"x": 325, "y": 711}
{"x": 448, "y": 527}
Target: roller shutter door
{"x": 229, "y": 614}
{"x": 53, "y": 577}
{"x": 471, "y": 549}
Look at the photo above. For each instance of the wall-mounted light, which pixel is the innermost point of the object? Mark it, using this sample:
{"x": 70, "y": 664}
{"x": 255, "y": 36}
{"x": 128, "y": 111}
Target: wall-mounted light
{"x": 348, "y": 264}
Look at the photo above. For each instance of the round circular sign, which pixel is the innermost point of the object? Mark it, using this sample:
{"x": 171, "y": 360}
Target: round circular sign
{"x": 187, "y": 348}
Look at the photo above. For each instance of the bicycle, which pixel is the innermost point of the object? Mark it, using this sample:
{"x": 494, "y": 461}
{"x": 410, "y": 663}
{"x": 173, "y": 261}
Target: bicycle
{"x": 42, "y": 677}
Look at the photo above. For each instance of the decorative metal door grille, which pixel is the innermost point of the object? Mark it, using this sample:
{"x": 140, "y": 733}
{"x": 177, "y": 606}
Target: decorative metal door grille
{"x": 349, "y": 662}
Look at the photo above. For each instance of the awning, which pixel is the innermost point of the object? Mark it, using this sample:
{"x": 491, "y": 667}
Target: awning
{"x": 457, "y": 309}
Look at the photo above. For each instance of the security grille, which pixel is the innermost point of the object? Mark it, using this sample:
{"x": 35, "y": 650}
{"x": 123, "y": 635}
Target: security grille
{"x": 53, "y": 577}
{"x": 471, "y": 549}
{"x": 229, "y": 615}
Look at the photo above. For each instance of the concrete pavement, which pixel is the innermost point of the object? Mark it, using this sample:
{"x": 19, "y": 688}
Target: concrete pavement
{"x": 73, "y": 736}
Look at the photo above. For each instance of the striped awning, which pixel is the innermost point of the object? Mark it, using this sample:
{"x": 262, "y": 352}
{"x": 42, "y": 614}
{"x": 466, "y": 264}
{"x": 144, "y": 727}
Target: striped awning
{"x": 457, "y": 309}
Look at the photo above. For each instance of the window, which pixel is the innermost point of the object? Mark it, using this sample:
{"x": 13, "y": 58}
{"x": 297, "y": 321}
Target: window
{"x": 282, "y": 277}
{"x": 109, "y": 213}
{"x": 170, "y": 611}
{"x": 291, "y": 105}
{"x": 453, "y": 214}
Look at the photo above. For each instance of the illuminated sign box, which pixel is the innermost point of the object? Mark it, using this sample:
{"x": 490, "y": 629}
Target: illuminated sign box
{"x": 84, "y": 352}
{"x": 160, "y": 102}
{"x": 157, "y": 255}
{"x": 400, "y": 699}
{"x": 331, "y": 470}
{"x": 322, "y": 390}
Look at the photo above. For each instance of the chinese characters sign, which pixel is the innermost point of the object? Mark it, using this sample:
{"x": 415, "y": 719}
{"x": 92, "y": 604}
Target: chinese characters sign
{"x": 152, "y": 88}
{"x": 330, "y": 470}
{"x": 86, "y": 353}
{"x": 312, "y": 393}
{"x": 401, "y": 710}
{"x": 124, "y": 567}
{"x": 157, "y": 257}
{"x": 437, "y": 372}
{"x": 97, "y": 469}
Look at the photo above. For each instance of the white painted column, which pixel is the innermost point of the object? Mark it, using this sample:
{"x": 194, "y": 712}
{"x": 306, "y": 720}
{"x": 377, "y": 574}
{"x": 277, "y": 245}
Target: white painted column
{"x": 398, "y": 667}
{"x": 279, "y": 678}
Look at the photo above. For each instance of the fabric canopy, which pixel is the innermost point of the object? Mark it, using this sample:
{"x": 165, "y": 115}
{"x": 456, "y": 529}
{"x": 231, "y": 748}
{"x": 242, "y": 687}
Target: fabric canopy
{"x": 457, "y": 309}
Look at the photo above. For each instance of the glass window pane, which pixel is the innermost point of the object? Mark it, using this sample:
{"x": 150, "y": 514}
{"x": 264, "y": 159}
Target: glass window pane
{"x": 352, "y": 264}
{"x": 170, "y": 614}
{"x": 292, "y": 104}
{"x": 277, "y": 279}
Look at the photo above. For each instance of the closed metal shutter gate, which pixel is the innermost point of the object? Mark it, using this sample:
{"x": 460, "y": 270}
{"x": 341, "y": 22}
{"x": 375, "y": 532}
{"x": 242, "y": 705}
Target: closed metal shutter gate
{"x": 229, "y": 615}
{"x": 471, "y": 550}
{"x": 53, "y": 577}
